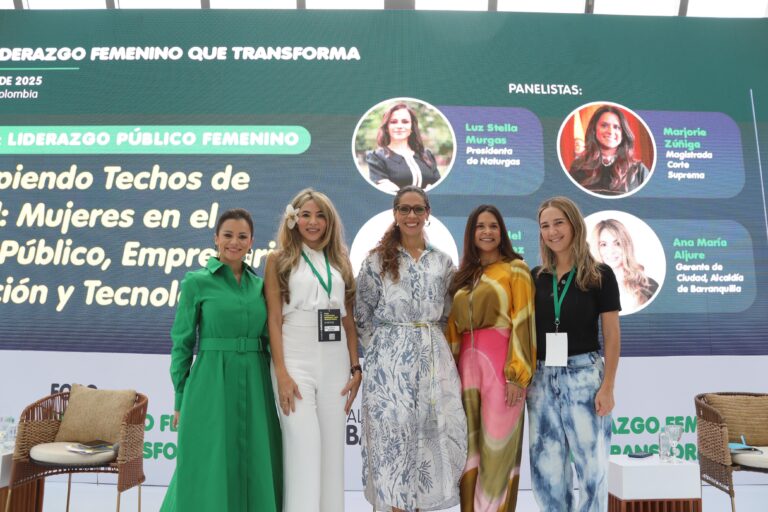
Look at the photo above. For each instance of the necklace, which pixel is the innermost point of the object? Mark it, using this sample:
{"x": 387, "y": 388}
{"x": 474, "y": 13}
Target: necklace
{"x": 607, "y": 160}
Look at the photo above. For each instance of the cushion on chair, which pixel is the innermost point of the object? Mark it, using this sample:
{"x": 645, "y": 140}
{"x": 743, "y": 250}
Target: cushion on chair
{"x": 754, "y": 460}
{"x": 745, "y": 415}
{"x": 57, "y": 454}
{"x": 94, "y": 414}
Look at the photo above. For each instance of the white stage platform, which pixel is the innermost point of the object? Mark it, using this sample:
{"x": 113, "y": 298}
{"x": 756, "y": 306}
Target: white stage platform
{"x": 101, "y": 498}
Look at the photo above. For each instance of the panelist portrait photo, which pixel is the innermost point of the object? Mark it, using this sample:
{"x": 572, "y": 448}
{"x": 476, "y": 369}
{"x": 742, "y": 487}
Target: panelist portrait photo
{"x": 613, "y": 156}
{"x": 403, "y": 142}
{"x": 633, "y": 251}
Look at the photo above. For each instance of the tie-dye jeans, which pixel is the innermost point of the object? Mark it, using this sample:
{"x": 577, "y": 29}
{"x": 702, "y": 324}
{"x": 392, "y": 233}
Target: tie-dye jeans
{"x": 563, "y": 423}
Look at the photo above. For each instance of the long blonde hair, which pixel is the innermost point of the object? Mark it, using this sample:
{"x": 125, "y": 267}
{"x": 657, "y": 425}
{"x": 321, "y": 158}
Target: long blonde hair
{"x": 635, "y": 279}
{"x": 289, "y": 244}
{"x": 587, "y": 273}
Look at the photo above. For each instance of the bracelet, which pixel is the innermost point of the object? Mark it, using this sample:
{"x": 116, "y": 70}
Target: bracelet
{"x": 515, "y": 384}
{"x": 354, "y": 369}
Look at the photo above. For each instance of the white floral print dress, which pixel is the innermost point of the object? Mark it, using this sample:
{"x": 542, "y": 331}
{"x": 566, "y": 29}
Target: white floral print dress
{"x": 414, "y": 442}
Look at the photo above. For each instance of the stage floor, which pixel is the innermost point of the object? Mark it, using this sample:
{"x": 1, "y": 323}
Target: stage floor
{"x": 102, "y": 498}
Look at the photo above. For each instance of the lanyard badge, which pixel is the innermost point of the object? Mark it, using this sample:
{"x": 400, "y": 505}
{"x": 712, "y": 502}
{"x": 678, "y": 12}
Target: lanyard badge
{"x": 557, "y": 342}
{"x": 328, "y": 320}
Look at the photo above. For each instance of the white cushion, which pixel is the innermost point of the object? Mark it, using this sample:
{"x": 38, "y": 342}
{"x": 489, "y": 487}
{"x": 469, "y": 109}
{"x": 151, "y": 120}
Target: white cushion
{"x": 753, "y": 460}
{"x": 57, "y": 454}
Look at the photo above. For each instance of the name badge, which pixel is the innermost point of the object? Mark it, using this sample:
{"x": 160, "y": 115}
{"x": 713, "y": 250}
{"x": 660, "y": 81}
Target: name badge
{"x": 329, "y": 324}
{"x": 557, "y": 349}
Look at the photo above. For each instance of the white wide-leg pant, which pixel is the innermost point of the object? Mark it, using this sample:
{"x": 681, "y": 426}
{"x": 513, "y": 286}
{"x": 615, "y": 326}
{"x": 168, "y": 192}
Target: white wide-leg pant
{"x": 313, "y": 436}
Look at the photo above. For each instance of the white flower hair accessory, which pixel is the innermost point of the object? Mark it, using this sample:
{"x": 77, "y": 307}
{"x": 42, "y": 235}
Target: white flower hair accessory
{"x": 291, "y": 216}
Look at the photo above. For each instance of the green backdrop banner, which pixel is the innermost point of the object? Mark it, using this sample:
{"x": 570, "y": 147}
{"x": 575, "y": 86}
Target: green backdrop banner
{"x": 124, "y": 133}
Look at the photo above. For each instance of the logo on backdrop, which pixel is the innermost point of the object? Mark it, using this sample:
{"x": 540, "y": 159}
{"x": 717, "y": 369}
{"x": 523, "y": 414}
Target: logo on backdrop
{"x": 61, "y": 388}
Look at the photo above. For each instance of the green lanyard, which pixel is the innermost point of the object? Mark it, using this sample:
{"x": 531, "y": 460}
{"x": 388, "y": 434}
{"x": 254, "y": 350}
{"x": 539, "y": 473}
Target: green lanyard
{"x": 326, "y": 286}
{"x": 559, "y": 300}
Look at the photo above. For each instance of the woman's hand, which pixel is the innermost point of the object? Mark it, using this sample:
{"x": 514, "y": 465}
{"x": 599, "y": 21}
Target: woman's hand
{"x": 287, "y": 392}
{"x": 175, "y": 423}
{"x": 604, "y": 400}
{"x": 514, "y": 394}
{"x": 350, "y": 390}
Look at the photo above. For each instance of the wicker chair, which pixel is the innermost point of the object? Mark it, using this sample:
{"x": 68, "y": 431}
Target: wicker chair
{"x": 715, "y": 461}
{"x": 39, "y": 424}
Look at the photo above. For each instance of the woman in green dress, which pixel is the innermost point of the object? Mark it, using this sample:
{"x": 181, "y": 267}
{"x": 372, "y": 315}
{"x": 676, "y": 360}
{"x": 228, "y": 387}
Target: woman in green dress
{"x": 229, "y": 447}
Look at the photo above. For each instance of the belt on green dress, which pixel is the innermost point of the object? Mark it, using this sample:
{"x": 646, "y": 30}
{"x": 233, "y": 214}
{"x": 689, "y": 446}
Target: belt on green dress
{"x": 232, "y": 344}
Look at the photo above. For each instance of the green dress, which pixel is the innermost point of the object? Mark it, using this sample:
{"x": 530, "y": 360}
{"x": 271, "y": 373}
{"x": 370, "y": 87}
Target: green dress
{"x": 230, "y": 451}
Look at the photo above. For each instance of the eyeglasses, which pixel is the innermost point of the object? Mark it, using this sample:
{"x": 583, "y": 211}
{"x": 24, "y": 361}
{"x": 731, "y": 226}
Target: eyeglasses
{"x": 404, "y": 209}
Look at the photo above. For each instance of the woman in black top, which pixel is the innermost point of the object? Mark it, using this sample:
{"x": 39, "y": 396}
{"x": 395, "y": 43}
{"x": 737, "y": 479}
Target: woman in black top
{"x": 401, "y": 158}
{"x": 571, "y": 397}
{"x": 608, "y": 166}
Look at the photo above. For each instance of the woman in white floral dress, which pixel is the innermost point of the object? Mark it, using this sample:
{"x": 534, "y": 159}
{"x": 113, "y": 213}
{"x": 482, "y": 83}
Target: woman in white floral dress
{"x": 414, "y": 441}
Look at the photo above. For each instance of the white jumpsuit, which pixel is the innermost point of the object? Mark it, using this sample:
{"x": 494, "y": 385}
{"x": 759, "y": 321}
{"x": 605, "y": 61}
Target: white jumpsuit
{"x": 313, "y": 436}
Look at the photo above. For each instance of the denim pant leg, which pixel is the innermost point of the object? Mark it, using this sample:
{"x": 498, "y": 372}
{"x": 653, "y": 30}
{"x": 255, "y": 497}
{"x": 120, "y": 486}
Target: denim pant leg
{"x": 551, "y": 476}
{"x": 589, "y": 435}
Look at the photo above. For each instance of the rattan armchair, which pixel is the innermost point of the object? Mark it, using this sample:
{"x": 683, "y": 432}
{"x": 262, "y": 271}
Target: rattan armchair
{"x": 713, "y": 435}
{"x": 39, "y": 424}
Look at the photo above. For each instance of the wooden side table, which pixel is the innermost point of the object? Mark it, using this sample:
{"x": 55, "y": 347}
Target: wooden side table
{"x": 649, "y": 485}
{"x": 26, "y": 498}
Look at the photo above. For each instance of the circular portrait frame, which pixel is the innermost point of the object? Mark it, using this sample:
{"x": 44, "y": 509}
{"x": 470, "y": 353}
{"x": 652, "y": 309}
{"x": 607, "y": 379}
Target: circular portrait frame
{"x": 572, "y": 143}
{"x": 611, "y": 233}
{"x": 434, "y": 132}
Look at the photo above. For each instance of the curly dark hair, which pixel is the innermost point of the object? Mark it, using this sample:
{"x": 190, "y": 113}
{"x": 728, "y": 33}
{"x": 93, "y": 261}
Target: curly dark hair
{"x": 388, "y": 246}
{"x": 589, "y": 161}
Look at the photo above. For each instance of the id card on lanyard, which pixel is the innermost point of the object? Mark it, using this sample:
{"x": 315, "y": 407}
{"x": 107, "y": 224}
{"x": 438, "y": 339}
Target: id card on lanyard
{"x": 328, "y": 320}
{"x": 557, "y": 342}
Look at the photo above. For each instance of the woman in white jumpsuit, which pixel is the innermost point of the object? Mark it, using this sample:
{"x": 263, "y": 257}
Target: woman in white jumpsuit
{"x": 310, "y": 289}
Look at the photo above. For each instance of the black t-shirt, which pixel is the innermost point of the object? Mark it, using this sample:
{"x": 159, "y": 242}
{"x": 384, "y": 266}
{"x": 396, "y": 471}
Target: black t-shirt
{"x": 579, "y": 313}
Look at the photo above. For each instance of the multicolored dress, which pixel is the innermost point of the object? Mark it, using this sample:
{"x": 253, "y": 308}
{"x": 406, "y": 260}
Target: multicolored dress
{"x": 492, "y": 334}
{"x": 414, "y": 431}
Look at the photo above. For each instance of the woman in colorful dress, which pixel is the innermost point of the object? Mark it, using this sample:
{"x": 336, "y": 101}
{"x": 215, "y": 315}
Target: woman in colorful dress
{"x": 229, "y": 453}
{"x": 310, "y": 289}
{"x": 414, "y": 429}
{"x": 571, "y": 397}
{"x": 491, "y": 331}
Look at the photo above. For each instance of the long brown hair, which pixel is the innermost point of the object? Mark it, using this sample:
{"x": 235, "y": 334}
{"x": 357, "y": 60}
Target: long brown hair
{"x": 388, "y": 247}
{"x": 289, "y": 244}
{"x": 635, "y": 279}
{"x": 589, "y": 161}
{"x": 470, "y": 268}
{"x": 414, "y": 139}
{"x": 587, "y": 272}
